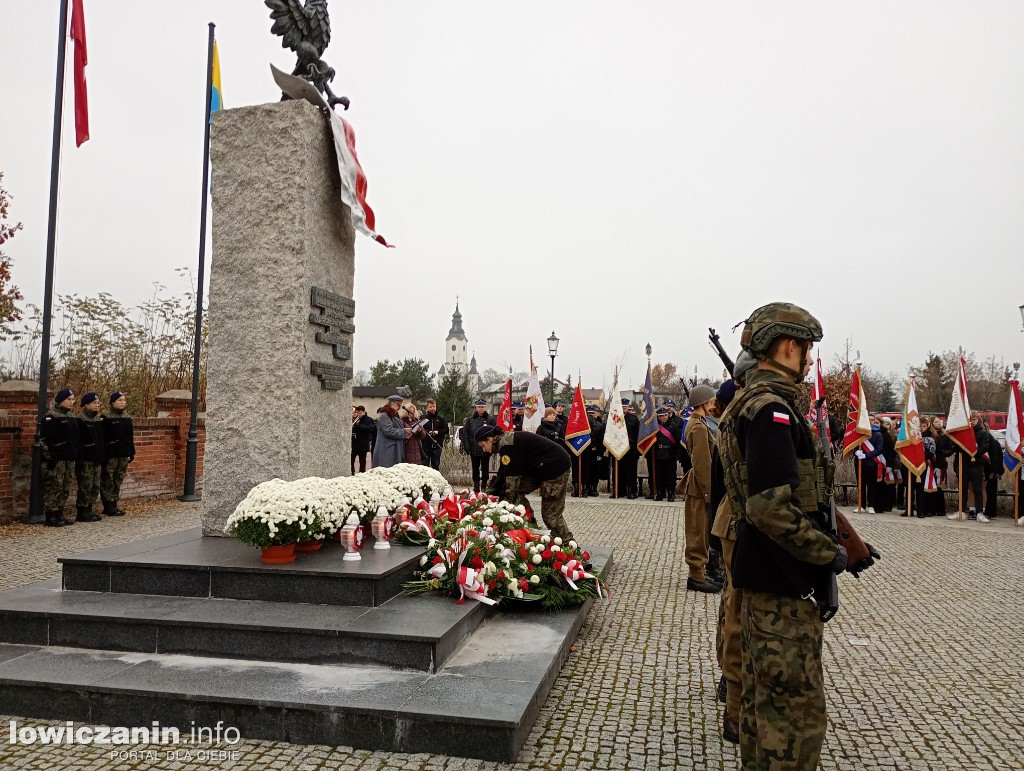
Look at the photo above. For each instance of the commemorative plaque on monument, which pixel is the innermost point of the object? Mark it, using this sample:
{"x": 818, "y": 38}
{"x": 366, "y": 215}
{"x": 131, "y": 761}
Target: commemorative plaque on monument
{"x": 279, "y": 365}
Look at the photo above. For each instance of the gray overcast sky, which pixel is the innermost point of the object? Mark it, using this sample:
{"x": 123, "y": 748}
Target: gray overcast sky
{"x": 618, "y": 172}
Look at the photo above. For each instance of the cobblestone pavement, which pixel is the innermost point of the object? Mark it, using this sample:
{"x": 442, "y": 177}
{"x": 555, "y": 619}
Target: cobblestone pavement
{"x": 922, "y": 663}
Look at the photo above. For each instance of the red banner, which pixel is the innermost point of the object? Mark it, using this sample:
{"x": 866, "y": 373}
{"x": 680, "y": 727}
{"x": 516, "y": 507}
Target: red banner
{"x": 504, "y": 421}
{"x": 81, "y": 59}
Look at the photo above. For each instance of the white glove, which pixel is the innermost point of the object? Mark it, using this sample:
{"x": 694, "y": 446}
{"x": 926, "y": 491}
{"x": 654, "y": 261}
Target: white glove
{"x": 860, "y": 455}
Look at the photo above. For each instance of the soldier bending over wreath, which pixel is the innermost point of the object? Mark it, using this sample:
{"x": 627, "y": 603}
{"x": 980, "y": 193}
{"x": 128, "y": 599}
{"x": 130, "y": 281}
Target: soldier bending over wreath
{"x": 525, "y": 462}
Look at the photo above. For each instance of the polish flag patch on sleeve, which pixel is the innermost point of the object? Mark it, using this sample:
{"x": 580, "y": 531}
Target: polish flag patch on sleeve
{"x": 781, "y": 417}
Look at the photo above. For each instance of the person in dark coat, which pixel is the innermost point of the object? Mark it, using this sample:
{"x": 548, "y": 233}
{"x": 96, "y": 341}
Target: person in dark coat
{"x": 627, "y": 466}
{"x": 118, "y": 452}
{"x": 973, "y": 473}
{"x": 663, "y": 455}
{"x": 481, "y": 460}
{"x": 594, "y": 453}
{"x": 869, "y": 463}
{"x": 993, "y": 467}
{"x": 59, "y": 437}
{"x": 414, "y": 442}
{"x": 549, "y": 426}
{"x": 89, "y": 464}
{"x": 518, "y": 414}
{"x": 363, "y": 432}
{"x": 436, "y": 430}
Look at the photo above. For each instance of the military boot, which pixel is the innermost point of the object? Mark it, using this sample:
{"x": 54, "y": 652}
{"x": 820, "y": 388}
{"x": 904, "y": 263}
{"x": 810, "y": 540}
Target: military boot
{"x": 704, "y": 585}
{"x": 115, "y": 510}
{"x": 85, "y": 515}
{"x": 730, "y": 728}
{"x": 64, "y": 519}
{"x": 53, "y": 519}
{"x": 714, "y": 569}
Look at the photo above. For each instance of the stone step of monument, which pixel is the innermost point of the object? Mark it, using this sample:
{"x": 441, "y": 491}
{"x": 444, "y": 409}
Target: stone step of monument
{"x": 188, "y": 564}
{"x": 481, "y": 703}
{"x": 405, "y": 632}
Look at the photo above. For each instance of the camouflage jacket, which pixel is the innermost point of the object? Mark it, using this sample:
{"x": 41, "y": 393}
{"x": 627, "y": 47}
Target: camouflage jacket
{"x": 775, "y": 482}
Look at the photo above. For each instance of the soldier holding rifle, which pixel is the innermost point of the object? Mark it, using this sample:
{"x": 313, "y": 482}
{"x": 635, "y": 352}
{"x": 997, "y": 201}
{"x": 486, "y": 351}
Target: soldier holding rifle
{"x": 785, "y": 557}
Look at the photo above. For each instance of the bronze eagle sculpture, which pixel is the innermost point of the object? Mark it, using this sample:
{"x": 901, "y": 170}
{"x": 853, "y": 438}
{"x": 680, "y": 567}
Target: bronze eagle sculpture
{"x": 305, "y": 28}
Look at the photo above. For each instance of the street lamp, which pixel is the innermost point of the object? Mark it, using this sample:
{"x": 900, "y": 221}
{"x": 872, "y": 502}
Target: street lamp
{"x": 553, "y": 351}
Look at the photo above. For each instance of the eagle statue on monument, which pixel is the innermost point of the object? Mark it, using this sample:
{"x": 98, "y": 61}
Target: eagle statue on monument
{"x": 305, "y": 28}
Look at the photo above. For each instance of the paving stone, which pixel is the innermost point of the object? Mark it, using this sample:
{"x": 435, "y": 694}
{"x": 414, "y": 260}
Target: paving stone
{"x": 921, "y": 663}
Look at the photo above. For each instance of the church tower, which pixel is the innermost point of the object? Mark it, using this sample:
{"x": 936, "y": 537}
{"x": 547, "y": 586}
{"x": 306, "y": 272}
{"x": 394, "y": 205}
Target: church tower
{"x": 455, "y": 344}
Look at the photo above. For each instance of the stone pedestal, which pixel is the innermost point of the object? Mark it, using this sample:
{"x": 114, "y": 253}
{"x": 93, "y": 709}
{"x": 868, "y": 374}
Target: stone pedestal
{"x": 278, "y": 394}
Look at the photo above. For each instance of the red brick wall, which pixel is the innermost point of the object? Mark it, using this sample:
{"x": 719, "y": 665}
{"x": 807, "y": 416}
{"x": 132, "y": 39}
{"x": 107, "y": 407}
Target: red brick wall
{"x": 157, "y": 473}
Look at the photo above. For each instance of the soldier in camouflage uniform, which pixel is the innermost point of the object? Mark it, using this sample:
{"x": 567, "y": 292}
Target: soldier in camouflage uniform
{"x": 59, "y": 439}
{"x": 118, "y": 452}
{"x": 525, "y": 462}
{"x": 89, "y": 464}
{"x": 783, "y": 558}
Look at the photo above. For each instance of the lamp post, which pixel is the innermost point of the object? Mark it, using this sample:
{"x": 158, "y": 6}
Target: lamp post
{"x": 553, "y": 351}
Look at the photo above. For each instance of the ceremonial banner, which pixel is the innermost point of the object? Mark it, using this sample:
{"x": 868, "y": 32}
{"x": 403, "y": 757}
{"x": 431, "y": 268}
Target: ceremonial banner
{"x": 81, "y": 59}
{"x": 616, "y": 438}
{"x": 908, "y": 441}
{"x": 818, "y": 393}
{"x": 858, "y": 427}
{"x": 1014, "y": 421}
{"x": 648, "y": 419}
{"x": 577, "y": 430}
{"x": 504, "y": 421}
{"x": 534, "y": 404}
{"x": 958, "y": 420}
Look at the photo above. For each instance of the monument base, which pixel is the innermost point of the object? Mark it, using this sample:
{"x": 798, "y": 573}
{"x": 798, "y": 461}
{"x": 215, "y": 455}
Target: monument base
{"x": 143, "y": 636}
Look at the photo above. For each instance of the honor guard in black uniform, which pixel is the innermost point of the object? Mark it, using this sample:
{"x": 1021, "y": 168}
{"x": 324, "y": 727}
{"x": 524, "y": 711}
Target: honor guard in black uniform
{"x": 518, "y": 413}
{"x": 594, "y": 453}
{"x": 663, "y": 454}
{"x": 59, "y": 435}
{"x": 89, "y": 464}
{"x": 627, "y": 466}
{"x": 118, "y": 452}
{"x": 481, "y": 460}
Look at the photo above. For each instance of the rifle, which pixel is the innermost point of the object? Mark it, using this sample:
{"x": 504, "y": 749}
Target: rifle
{"x": 717, "y": 345}
{"x": 686, "y": 388}
{"x": 830, "y": 604}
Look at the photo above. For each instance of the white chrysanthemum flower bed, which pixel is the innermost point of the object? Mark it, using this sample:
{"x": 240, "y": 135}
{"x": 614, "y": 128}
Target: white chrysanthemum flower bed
{"x": 285, "y": 512}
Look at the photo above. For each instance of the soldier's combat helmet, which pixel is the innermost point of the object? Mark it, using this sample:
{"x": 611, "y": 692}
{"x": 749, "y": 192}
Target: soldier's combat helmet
{"x": 776, "y": 320}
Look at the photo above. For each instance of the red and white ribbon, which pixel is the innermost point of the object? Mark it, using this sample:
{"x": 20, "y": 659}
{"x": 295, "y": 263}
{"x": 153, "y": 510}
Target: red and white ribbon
{"x": 573, "y": 571}
{"x": 470, "y": 586}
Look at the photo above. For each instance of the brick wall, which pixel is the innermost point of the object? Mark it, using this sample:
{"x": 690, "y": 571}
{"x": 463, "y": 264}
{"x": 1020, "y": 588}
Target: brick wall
{"x": 160, "y": 443}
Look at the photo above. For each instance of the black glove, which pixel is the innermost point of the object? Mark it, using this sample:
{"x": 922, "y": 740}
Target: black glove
{"x": 51, "y": 464}
{"x": 838, "y": 565}
{"x": 131, "y": 458}
{"x": 868, "y": 561}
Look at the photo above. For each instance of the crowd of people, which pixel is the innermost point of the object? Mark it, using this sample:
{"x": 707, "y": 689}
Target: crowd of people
{"x": 93, "y": 448}
{"x": 885, "y": 482}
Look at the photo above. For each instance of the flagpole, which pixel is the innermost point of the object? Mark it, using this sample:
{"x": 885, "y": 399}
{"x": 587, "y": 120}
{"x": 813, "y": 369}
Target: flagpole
{"x": 960, "y": 488}
{"x": 35, "y": 501}
{"x": 616, "y": 477}
{"x": 910, "y": 493}
{"x": 192, "y": 446}
{"x": 860, "y": 483}
{"x": 1016, "y": 498}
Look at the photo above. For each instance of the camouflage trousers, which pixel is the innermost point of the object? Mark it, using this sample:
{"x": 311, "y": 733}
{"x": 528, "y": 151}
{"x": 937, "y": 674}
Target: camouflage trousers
{"x": 782, "y": 707}
{"x": 730, "y": 657}
{"x": 57, "y": 484}
{"x": 552, "y": 500}
{"x": 88, "y": 476}
{"x": 113, "y": 474}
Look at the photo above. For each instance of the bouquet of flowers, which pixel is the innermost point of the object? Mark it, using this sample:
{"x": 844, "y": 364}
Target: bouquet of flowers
{"x": 490, "y": 553}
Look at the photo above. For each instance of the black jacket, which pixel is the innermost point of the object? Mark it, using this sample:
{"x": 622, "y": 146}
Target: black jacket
{"x": 364, "y": 431}
{"x": 60, "y": 435}
{"x": 472, "y": 425}
{"x": 550, "y": 429}
{"x": 597, "y": 447}
{"x": 118, "y": 435}
{"x": 434, "y": 423}
{"x": 665, "y": 447}
{"x": 90, "y": 440}
{"x": 532, "y": 456}
{"x": 632, "y": 429}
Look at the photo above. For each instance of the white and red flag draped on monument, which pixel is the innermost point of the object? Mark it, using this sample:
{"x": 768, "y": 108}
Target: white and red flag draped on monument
{"x": 504, "y": 421}
{"x": 353, "y": 180}
{"x": 909, "y": 443}
{"x": 818, "y": 394}
{"x": 858, "y": 426}
{"x": 958, "y": 419}
{"x": 81, "y": 59}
